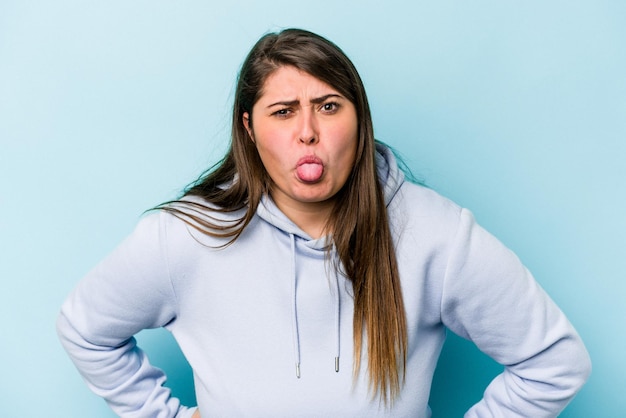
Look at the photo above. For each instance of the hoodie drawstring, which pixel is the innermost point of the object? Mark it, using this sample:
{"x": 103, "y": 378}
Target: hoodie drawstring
{"x": 337, "y": 312}
{"x": 294, "y": 310}
{"x": 294, "y": 307}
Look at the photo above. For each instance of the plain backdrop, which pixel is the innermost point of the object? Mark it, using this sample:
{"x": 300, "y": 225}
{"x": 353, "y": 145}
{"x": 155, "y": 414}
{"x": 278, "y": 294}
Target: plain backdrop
{"x": 516, "y": 110}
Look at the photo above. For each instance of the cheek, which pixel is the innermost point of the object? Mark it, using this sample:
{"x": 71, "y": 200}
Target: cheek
{"x": 271, "y": 148}
{"x": 270, "y": 135}
{"x": 346, "y": 141}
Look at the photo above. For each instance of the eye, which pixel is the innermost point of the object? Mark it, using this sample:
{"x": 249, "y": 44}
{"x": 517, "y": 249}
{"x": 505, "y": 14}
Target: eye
{"x": 282, "y": 113}
{"x": 330, "y": 108}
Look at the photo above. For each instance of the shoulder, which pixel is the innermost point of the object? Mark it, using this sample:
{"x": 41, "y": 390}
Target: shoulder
{"x": 417, "y": 201}
{"x": 185, "y": 223}
{"x": 194, "y": 211}
{"x": 422, "y": 218}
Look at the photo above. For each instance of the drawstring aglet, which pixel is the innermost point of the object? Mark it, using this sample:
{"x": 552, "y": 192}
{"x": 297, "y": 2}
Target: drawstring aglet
{"x": 337, "y": 364}
{"x": 298, "y": 370}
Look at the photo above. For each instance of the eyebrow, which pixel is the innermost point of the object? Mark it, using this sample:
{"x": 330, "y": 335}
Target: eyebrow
{"x": 316, "y": 100}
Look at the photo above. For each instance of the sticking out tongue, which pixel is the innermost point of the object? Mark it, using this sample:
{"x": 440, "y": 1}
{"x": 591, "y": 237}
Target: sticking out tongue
{"x": 310, "y": 172}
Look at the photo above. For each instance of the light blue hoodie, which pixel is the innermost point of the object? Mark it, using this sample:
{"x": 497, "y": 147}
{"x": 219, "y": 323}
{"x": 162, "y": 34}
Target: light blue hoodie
{"x": 263, "y": 320}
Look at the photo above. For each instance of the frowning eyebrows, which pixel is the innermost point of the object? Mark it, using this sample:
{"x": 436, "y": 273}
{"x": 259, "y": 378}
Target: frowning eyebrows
{"x": 317, "y": 100}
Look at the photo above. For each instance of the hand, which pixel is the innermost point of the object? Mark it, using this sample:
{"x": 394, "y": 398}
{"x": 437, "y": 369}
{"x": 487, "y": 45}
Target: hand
{"x": 196, "y": 414}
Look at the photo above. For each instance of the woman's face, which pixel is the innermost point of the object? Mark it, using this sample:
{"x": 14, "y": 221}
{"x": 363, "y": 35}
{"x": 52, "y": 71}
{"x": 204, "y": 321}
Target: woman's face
{"x": 306, "y": 134}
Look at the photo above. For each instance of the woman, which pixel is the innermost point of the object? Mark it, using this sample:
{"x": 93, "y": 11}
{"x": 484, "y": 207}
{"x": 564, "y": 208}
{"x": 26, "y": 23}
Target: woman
{"x": 304, "y": 276}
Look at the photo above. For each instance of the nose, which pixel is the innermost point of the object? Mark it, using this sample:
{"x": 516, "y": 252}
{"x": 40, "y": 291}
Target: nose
{"x": 308, "y": 132}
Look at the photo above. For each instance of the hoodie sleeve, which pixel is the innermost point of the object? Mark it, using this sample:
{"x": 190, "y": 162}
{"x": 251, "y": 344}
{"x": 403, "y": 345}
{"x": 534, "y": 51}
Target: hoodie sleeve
{"x": 491, "y": 299}
{"x": 128, "y": 291}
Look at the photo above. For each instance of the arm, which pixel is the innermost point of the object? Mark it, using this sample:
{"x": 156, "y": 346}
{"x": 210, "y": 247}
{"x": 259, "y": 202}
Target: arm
{"x": 128, "y": 291}
{"x": 490, "y": 298}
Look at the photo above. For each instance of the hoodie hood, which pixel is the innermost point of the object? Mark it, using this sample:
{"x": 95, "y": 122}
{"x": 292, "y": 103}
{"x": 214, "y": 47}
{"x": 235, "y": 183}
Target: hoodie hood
{"x": 389, "y": 173}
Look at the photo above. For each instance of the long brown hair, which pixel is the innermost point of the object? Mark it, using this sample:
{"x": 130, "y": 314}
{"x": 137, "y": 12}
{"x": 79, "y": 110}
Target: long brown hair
{"x": 358, "y": 222}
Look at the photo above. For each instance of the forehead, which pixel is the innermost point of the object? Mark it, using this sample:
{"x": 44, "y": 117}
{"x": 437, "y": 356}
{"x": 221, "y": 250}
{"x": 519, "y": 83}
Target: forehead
{"x": 291, "y": 83}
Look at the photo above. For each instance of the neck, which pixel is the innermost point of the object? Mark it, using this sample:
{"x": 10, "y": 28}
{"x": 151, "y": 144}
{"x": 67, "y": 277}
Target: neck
{"x": 311, "y": 217}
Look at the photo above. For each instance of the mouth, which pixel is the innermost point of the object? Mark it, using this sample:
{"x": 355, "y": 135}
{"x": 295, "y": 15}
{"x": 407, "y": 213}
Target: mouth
{"x": 309, "y": 169}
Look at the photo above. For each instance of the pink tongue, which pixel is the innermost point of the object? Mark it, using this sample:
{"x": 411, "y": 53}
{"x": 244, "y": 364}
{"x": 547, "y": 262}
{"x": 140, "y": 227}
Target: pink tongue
{"x": 310, "y": 172}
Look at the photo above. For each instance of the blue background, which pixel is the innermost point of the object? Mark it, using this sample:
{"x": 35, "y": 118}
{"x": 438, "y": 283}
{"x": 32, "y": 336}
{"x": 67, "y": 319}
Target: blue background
{"x": 516, "y": 110}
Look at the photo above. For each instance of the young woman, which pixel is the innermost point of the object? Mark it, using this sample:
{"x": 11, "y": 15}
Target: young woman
{"x": 304, "y": 276}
